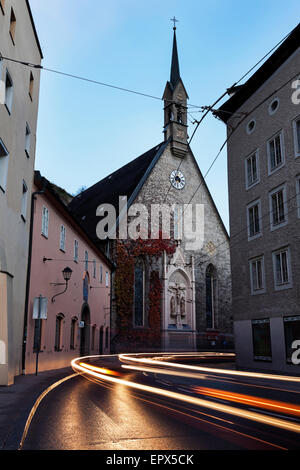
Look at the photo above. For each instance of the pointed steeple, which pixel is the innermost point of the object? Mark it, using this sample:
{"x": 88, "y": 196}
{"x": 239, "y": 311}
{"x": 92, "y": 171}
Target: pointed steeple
{"x": 175, "y": 72}
{"x": 175, "y": 110}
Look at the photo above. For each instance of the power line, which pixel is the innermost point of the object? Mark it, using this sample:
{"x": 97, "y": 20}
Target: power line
{"x": 207, "y": 109}
{"x": 245, "y": 229}
{"x": 88, "y": 80}
{"x": 236, "y": 127}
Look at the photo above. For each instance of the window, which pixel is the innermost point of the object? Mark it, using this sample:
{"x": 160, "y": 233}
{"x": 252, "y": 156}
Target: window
{"x": 291, "y": 333}
{"x": 252, "y": 170}
{"x": 273, "y": 106}
{"x": 254, "y": 219}
{"x": 62, "y": 243}
{"x": 139, "y": 293}
{"x": 278, "y": 208}
{"x": 76, "y": 251}
{"x": 282, "y": 270}
{"x": 2, "y": 5}
{"x": 93, "y": 337}
{"x": 86, "y": 260}
{"x": 250, "y": 126}
{"x": 261, "y": 337}
{"x": 101, "y": 340}
{"x": 9, "y": 91}
{"x": 73, "y": 333}
{"x": 107, "y": 338}
{"x": 3, "y": 165}
{"x": 296, "y": 127}
{"x": 27, "y": 140}
{"x": 211, "y": 291}
{"x": 58, "y": 332}
{"x": 31, "y": 85}
{"x": 101, "y": 274}
{"x": 257, "y": 275}
{"x": 106, "y": 279}
{"x": 275, "y": 153}
{"x": 12, "y": 29}
{"x": 45, "y": 222}
{"x": 94, "y": 269}
{"x": 24, "y": 201}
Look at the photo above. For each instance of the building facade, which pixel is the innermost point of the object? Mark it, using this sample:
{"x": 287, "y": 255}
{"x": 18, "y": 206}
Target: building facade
{"x": 19, "y": 99}
{"x": 165, "y": 295}
{"x": 263, "y": 125}
{"x": 64, "y": 319}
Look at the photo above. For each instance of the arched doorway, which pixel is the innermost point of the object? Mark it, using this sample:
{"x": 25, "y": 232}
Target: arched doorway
{"x": 85, "y": 331}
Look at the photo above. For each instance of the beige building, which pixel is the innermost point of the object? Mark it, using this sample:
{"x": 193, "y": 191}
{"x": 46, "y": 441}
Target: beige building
{"x": 263, "y": 124}
{"x": 19, "y": 98}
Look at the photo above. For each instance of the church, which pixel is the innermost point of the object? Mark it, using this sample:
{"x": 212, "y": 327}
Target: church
{"x": 169, "y": 291}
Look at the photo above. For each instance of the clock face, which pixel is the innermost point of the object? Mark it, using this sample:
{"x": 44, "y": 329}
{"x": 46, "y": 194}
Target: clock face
{"x": 177, "y": 179}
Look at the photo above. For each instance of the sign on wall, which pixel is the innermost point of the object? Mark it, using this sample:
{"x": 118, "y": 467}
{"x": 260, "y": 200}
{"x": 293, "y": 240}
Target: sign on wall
{"x": 40, "y": 308}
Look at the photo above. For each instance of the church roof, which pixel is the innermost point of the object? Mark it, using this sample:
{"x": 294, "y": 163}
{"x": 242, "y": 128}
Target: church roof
{"x": 126, "y": 181}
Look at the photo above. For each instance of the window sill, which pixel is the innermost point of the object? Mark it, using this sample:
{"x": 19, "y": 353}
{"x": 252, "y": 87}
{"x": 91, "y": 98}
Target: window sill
{"x": 283, "y": 287}
{"x": 2, "y": 189}
{"x": 250, "y": 186}
{"x": 262, "y": 359}
{"x": 271, "y": 172}
{"x": 58, "y": 349}
{"x": 254, "y": 237}
{"x": 31, "y": 99}
{"x": 45, "y": 236}
{"x": 63, "y": 251}
{"x": 277, "y": 226}
{"x": 258, "y": 292}
{"x": 23, "y": 218}
{"x": 27, "y": 153}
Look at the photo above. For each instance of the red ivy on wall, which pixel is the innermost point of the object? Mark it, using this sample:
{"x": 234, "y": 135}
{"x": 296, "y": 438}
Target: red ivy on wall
{"x": 126, "y": 253}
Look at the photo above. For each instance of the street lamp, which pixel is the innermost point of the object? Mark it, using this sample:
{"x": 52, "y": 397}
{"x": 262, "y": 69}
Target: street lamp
{"x": 67, "y": 273}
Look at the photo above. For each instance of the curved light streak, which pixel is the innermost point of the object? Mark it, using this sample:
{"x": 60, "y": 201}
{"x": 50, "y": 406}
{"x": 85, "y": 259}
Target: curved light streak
{"x": 131, "y": 358}
{"x": 245, "y": 414}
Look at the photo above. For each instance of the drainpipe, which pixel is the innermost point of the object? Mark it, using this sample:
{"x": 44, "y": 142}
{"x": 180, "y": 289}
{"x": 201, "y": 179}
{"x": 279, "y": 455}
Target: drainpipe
{"x": 33, "y": 198}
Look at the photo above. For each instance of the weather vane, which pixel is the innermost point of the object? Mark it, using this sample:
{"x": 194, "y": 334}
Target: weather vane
{"x": 174, "y": 21}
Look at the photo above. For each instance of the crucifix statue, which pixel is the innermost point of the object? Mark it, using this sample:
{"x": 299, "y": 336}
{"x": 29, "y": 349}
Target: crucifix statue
{"x": 177, "y": 304}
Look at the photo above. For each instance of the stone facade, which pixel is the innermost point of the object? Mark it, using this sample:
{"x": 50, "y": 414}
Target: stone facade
{"x": 19, "y": 100}
{"x": 276, "y": 301}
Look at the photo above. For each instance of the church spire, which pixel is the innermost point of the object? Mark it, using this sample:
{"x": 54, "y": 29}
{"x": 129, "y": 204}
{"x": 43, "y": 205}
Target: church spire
{"x": 175, "y": 109}
{"x": 175, "y": 73}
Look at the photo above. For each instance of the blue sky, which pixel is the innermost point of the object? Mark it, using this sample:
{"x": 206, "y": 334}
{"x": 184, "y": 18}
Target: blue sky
{"x": 87, "y": 131}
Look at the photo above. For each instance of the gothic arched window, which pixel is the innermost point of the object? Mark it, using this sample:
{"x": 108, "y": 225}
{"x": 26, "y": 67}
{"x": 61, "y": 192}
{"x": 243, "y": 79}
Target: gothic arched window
{"x": 211, "y": 295}
{"x": 139, "y": 293}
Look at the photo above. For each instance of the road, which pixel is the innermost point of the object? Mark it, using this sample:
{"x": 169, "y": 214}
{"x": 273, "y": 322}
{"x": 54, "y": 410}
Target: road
{"x": 127, "y": 404}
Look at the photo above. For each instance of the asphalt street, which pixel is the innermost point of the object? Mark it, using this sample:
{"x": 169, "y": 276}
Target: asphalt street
{"x": 89, "y": 413}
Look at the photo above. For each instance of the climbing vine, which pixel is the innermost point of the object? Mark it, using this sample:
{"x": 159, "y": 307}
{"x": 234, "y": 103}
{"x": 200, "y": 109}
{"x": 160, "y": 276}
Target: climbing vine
{"x": 127, "y": 251}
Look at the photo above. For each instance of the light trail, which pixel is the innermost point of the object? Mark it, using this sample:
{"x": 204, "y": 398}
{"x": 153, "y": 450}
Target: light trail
{"x": 148, "y": 361}
{"x": 81, "y": 367}
{"x": 249, "y": 400}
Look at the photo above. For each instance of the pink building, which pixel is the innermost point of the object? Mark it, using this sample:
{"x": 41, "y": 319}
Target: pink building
{"x": 77, "y": 310}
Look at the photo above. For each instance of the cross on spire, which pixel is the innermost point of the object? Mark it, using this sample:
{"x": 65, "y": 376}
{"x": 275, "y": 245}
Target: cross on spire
{"x": 174, "y": 21}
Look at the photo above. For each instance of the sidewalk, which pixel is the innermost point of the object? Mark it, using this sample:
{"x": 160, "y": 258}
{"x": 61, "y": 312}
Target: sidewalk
{"x": 17, "y": 400}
